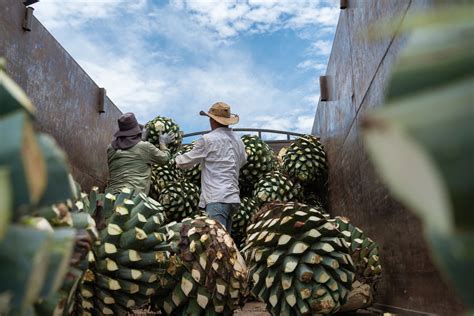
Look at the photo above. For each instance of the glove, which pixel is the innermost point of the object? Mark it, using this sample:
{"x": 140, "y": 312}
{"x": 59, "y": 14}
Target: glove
{"x": 166, "y": 138}
{"x": 144, "y": 134}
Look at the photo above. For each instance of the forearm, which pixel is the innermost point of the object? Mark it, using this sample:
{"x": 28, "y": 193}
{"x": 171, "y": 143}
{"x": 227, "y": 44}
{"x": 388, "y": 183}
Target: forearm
{"x": 160, "y": 156}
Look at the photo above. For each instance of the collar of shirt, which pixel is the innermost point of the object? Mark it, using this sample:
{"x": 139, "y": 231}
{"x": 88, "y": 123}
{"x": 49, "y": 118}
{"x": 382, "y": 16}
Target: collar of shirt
{"x": 221, "y": 130}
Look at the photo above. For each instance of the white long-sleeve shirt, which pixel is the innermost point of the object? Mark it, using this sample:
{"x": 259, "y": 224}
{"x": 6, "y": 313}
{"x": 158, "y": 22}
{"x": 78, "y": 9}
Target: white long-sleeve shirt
{"x": 221, "y": 154}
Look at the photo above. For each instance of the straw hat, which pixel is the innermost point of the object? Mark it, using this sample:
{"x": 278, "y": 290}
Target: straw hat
{"x": 220, "y": 112}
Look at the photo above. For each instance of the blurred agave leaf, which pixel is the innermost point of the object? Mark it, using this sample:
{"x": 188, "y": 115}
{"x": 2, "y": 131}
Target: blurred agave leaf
{"x": 21, "y": 153}
{"x": 439, "y": 51}
{"x": 424, "y": 148}
{"x": 439, "y": 57}
{"x": 444, "y": 17}
{"x": 24, "y": 256}
{"x": 422, "y": 142}
{"x": 58, "y": 186}
{"x": 5, "y": 201}
{"x": 455, "y": 255}
{"x": 12, "y": 96}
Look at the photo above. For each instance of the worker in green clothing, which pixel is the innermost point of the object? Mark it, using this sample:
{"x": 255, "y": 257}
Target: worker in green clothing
{"x": 130, "y": 158}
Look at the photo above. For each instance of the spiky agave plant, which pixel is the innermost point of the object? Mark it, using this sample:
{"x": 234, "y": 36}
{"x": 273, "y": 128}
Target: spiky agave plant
{"x": 161, "y": 124}
{"x": 179, "y": 199}
{"x": 280, "y": 155}
{"x": 122, "y": 272}
{"x": 275, "y": 186}
{"x": 298, "y": 260}
{"x": 161, "y": 176}
{"x": 305, "y": 160}
{"x": 208, "y": 275}
{"x": 365, "y": 255}
{"x": 73, "y": 213}
{"x": 240, "y": 220}
{"x": 364, "y": 251}
{"x": 34, "y": 255}
{"x": 260, "y": 160}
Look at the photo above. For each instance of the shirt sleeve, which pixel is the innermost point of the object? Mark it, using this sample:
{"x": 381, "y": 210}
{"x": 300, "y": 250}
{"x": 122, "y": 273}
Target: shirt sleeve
{"x": 157, "y": 156}
{"x": 243, "y": 156}
{"x": 193, "y": 157}
{"x": 110, "y": 152}
{"x": 244, "y": 159}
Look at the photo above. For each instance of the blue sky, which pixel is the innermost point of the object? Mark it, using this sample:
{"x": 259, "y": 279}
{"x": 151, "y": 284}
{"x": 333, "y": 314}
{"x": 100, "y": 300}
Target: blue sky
{"x": 174, "y": 58}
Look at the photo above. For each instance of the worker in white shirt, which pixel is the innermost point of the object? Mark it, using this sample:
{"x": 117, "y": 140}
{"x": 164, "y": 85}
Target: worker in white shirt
{"x": 221, "y": 154}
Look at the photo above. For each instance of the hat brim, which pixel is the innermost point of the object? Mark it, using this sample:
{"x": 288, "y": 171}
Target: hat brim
{"x": 233, "y": 119}
{"x": 131, "y": 132}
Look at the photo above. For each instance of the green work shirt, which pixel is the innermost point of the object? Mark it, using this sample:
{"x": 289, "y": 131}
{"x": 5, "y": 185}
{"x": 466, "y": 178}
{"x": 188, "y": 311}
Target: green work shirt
{"x": 132, "y": 167}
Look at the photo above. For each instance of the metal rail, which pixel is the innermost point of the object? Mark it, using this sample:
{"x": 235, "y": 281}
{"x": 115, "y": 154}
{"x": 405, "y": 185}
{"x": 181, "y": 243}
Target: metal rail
{"x": 257, "y": 130}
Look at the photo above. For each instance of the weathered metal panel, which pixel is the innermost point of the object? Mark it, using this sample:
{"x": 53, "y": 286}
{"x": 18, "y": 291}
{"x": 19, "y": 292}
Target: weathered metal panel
{"x": 335, "y": 117}
{"x": 65, "y": 96}
{"x": 410, "y": 279}
{"x": 367, "y": 53}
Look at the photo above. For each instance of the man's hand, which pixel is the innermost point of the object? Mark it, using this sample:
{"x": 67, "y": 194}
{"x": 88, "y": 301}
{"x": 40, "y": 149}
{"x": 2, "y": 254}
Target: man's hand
{"x": 166, "y": 138}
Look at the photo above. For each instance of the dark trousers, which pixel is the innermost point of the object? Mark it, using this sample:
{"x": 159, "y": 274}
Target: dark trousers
{"x": 222, "y": 212}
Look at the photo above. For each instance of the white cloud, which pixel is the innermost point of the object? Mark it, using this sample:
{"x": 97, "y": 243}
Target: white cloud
{"x": 59, "y": 13}
{"x": 314, "y": 14}
{"x": 149, "y": 89}
{"x": 127, "y": 84}
{"x": 176, "y": 27}
{"x": 305, "y": 123}
{"x": 311, "y": 64}
{"x": 232, "y": 17}
{"x": 295, "y": 123}
{"x": 249, "y": 92}
{"x": 312, "y": 99}
{"x": 320, "y": 47}
{"x": 149, "y": 79}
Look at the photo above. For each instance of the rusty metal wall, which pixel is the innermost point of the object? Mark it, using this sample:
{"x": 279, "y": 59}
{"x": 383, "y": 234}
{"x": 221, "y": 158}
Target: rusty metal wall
{"x": 65, "y": 96}
{"x": 360, "y": 68}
